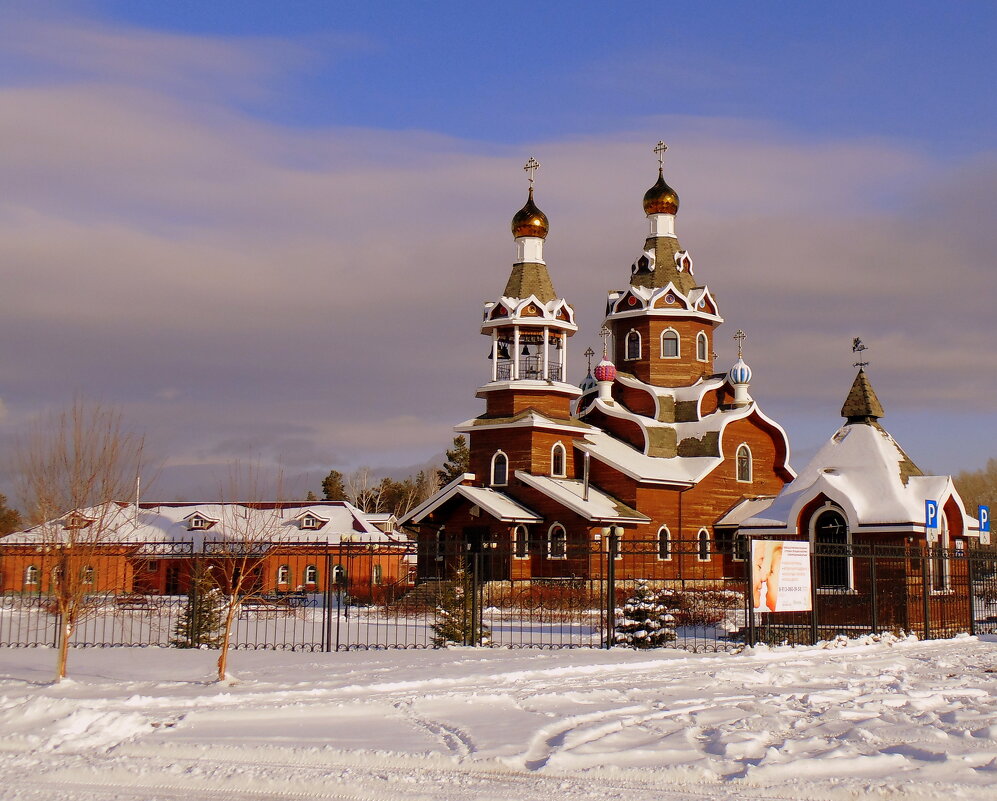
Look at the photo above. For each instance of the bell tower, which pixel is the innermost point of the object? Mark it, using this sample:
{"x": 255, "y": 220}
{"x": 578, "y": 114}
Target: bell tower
{"x": 663, "y": 324}
{"x": 527, "y": 424}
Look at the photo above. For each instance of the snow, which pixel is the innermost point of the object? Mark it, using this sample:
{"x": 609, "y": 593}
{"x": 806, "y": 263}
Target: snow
{"x": 859, "y": 468}
{"x": 570, "y": 493}
{"x": 874, "y": 717}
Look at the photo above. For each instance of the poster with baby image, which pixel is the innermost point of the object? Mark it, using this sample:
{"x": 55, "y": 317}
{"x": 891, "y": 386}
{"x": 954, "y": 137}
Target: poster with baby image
{"x": 780, "y": 576}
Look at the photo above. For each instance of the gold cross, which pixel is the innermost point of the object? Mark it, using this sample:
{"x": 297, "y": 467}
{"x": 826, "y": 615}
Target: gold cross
{"x": 660, "y": 149}
{"x": 531, "y": 168}
{"x": 605, "y": 333}
{"x": 740, "y": 336}
{"x": 857, "y": 347}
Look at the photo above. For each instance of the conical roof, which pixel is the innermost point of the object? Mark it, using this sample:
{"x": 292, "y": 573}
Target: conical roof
{"x": 862, "y": 405}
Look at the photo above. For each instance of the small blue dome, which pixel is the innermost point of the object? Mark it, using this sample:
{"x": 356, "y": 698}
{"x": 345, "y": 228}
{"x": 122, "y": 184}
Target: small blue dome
{"x": 588, "y": 384}
{"x": 740, "y": 373}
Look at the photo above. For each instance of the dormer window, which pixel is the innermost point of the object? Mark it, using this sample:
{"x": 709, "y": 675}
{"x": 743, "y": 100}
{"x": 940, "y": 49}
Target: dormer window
{"x": 76, "y": 521}
{"x": 310, "y": 523}
{"x": 198, "y": 523}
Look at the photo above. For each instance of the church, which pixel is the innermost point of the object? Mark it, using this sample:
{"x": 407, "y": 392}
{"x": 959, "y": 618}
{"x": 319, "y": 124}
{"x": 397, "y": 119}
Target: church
{"x": 655, "y": 448}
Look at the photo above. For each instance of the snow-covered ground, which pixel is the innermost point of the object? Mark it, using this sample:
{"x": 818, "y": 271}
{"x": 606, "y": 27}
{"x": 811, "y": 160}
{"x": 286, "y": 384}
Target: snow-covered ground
{"x": 853, "y": 719}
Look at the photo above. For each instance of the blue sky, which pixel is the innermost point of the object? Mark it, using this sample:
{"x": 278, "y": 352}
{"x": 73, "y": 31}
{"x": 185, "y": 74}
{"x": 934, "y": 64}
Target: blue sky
{"x": 265, "y": 229}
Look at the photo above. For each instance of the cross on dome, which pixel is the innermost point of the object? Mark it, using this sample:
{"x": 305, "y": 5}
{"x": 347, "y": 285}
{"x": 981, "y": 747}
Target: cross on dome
{"x": 531, "y": 168}
{"x": 589, "y": 353}
{"x": 605, "y": 333}
{"x": 740, "y": 336}
{"x": 660, "y": 149}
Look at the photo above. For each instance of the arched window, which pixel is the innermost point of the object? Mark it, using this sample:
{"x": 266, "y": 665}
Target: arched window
{"x": 664, "y": 544}
{"x": 703, "y": 545}
{"x": 743, "y": 463}
{"x": 500, "y": 469}
{"x": 557, "y": 542}
{"x": 520, "y": 542}
{"x": 338, "y": 575}
{"x": 31, "y": 575}
{"x": 832, "y": 550}
{"x": 702, "y": 346}
{"x": 311, "y": 574}
{"x": 670, "y": 344}
{"x": 87, "y": 575}
{"x": 441, "y": 543}
{"x": 633, "y": 345}
{"x": 558, "y": 458}
{"x": 377, "y": 574}
{"x": 284, "y": 574}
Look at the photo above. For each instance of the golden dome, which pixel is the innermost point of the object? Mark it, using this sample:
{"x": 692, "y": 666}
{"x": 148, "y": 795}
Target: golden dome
{"x": 661, "y": 198}
{"x": 530, "y": 221}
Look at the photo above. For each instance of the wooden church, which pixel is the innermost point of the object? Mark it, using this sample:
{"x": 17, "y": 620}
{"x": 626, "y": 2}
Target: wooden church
{"x": 655, "y": 448}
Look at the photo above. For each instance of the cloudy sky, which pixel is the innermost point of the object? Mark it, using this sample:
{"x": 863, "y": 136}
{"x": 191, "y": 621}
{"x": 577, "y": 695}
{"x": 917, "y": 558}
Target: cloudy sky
{"x": 265, "y": 230}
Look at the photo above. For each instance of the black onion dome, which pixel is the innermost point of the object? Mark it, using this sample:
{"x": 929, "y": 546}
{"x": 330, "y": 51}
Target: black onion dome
{"x": 530, "y": 221}
{"x": 661, "y": 198}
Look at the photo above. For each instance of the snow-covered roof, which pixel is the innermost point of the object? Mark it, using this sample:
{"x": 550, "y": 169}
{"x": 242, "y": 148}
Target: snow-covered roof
{"x": 744, "y": 510}
{"x": 570, "y": 493}
{"x": 169, "y": 522}
{"x": 638, "y": 465}
{"x": 495, "y": 503}
{"x": 864, "y": 471}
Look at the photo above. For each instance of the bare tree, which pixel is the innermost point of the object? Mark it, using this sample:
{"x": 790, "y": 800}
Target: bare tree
{"x": 73, "y": 470}
{"x": 250, "y": 530}
{"x": 365, "y": 491}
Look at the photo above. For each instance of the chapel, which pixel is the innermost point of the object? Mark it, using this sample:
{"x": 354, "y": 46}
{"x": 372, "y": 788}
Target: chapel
{"x": 655, "y": 447}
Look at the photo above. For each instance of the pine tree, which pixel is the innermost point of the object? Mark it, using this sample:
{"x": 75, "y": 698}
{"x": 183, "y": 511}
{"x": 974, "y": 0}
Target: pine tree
{"x": 454, "y": 625}
{"x": 332, "y": 486}
{"x": 200, "y": 623}
{"x": 646, "y": 619}
{"x": 10, "y": 519}
{"x": 458, "y": 460}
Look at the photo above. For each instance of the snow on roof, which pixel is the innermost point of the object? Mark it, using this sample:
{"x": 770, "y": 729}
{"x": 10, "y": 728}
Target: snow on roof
{"x": 495, "y": 503}
{"x": 748, "y": 508}
{"x": 640, "y": 466}
{"x": 863, "y": 470}
{"x": 169, "y": 522}
{"x": 570, "y": 493}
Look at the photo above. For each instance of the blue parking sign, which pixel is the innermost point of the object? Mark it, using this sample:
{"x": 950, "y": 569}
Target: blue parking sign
{"x": 985, "y": 519}
{"x": 931, "y": 520}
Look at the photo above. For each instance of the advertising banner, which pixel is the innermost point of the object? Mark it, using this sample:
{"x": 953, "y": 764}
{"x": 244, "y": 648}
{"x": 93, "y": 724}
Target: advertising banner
{"x": 780, "y": 576}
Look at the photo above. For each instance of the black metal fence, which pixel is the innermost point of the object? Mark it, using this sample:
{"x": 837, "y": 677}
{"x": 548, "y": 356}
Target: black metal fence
{"x": 551, "y": 594}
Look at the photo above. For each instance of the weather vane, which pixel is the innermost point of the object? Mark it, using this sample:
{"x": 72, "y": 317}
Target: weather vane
{"x": 660, "y": 149}
{"x": 605, "y": 334}
{"x": 740, "y": 336}
{"x": 531, "y": 169}
{"x": 589, "y": 353}
{"x": 858, "y": 347}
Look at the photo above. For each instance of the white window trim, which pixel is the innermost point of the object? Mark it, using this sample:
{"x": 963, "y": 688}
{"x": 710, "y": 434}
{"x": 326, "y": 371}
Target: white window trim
{"x": 668, "y": 536}
{"x": 338, "y": 574}
{"x": 284, "y": 574}
{"x": 377, "y": 574}
{"x": 699, "y": 542}
{"x": 311, "y": 570}
{"x": 564, "y": 460}
{"x": 32, "y": 576}
{"x": 737, "y": 465}
{"x": 626, "y": 345}
{"x": 88, "y": 575}
{"x": 525, "y": 533}
{"x": 678, "y": 343}
{"x": 848, "y": 542}
{"x": 550, "y": 541}
{"x": 495, "y": 457}
{"x": 701, "y": 337}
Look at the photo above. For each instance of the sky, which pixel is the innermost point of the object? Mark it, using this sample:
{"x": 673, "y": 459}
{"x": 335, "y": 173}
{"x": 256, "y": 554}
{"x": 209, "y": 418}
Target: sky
{"x": 265, "y": 231}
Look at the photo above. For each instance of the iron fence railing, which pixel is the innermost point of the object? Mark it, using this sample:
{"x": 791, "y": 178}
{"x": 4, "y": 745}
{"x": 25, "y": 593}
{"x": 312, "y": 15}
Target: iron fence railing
{"x": 520, "y": 594}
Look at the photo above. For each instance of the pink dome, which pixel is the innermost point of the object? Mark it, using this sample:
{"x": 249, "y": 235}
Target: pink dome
{"x": 605, "y": 371}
